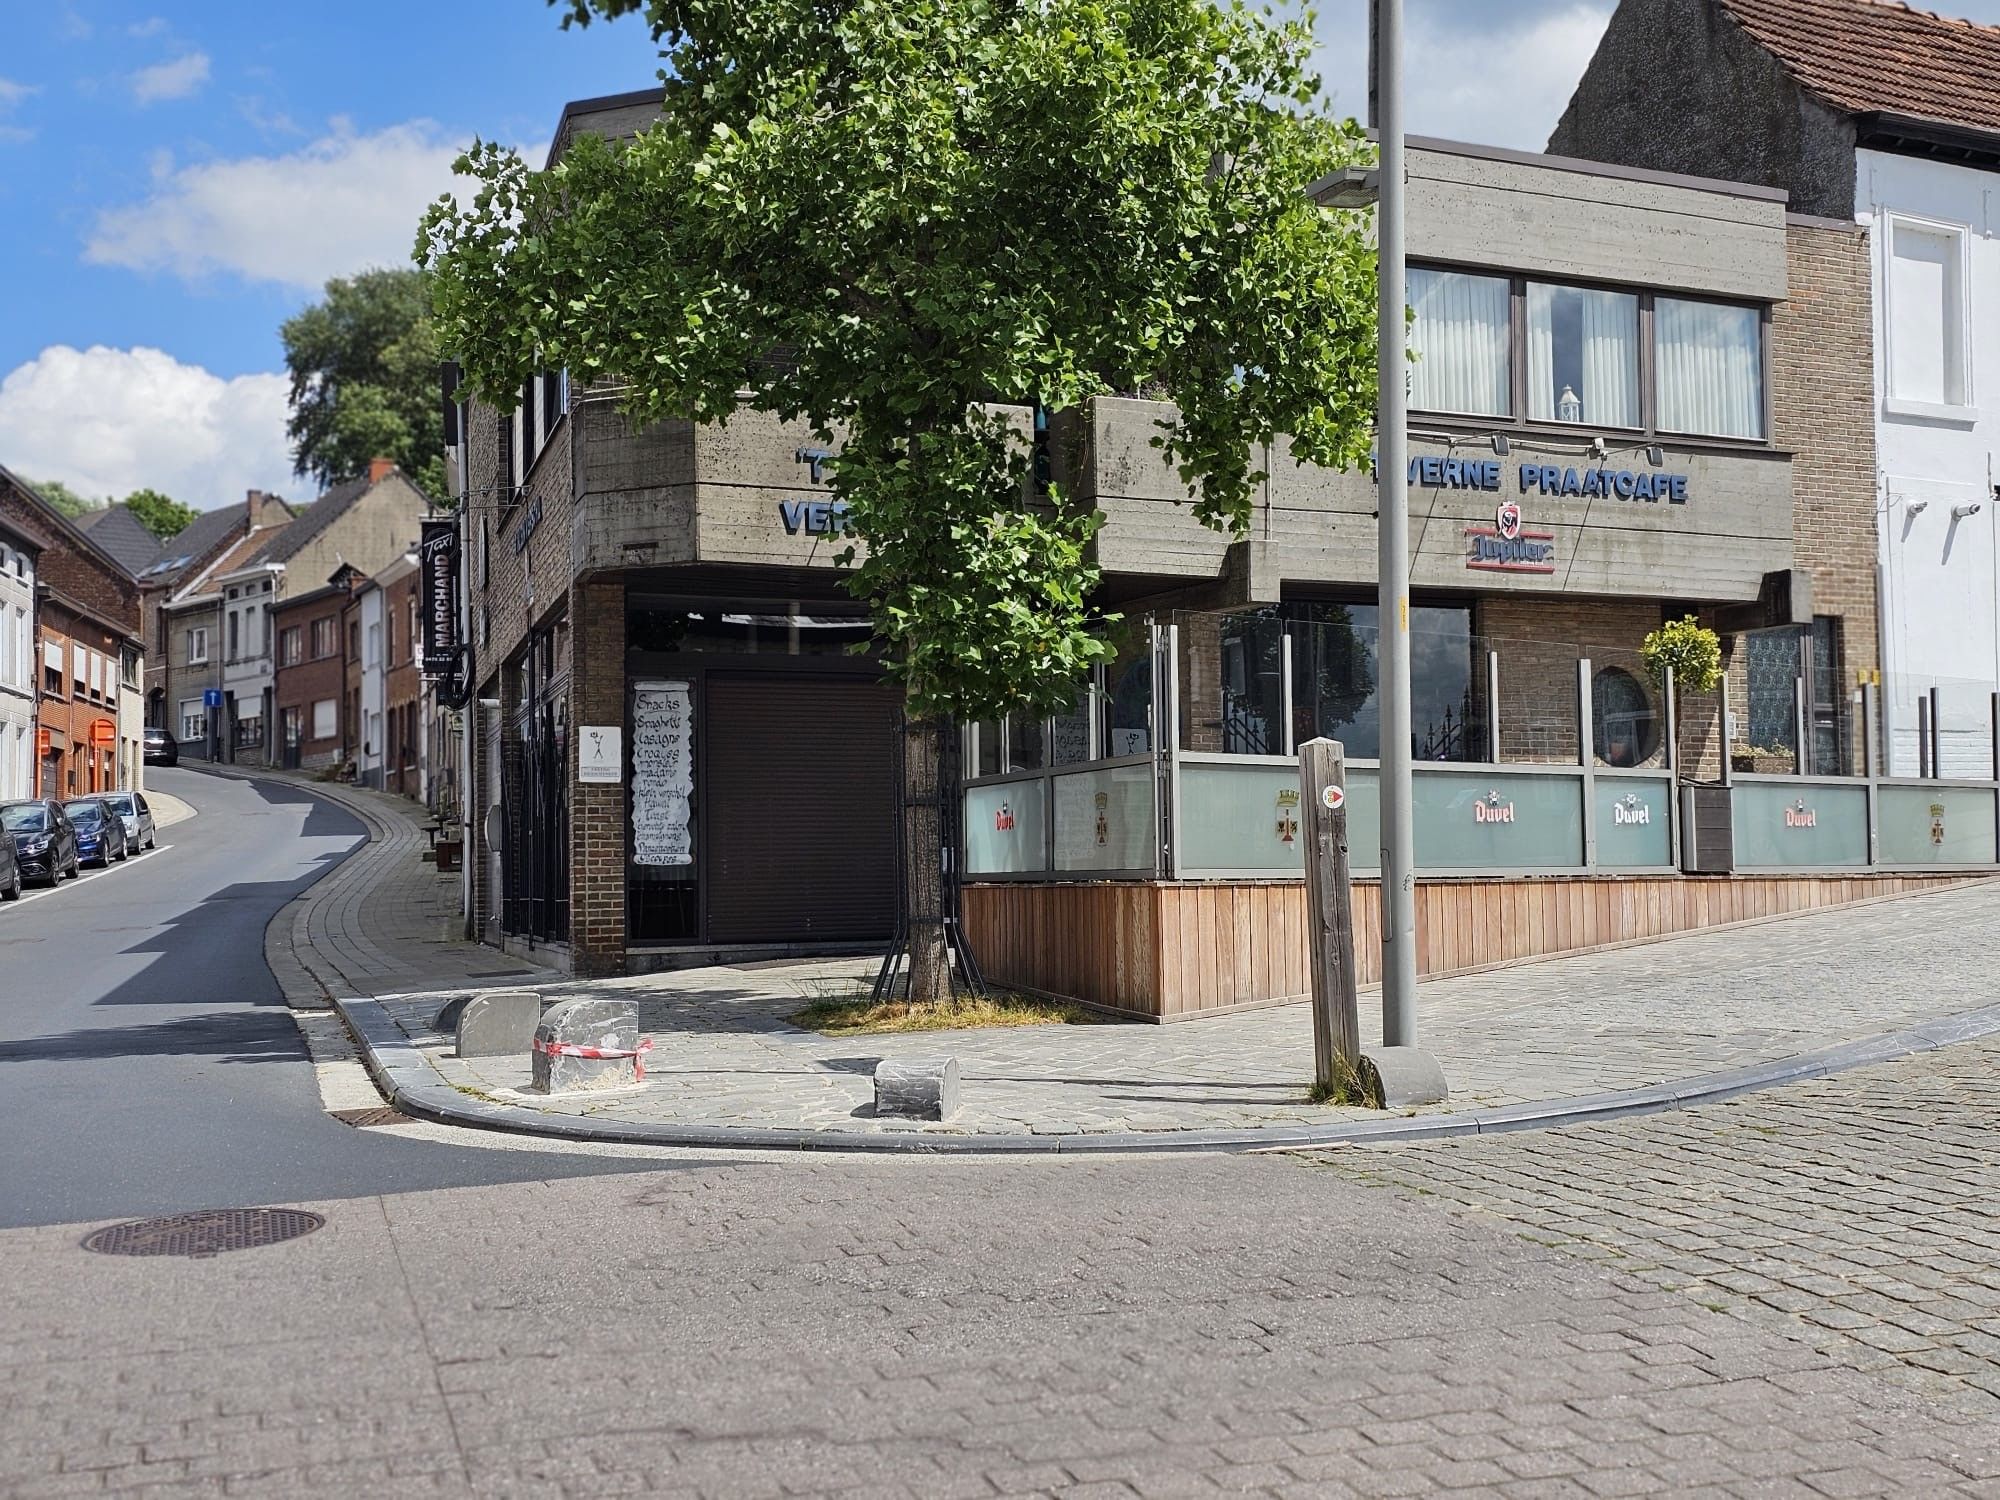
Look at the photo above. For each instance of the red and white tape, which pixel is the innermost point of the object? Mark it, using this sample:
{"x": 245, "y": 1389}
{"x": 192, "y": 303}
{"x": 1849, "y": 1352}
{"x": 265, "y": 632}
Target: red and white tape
{"x": 573, "y": 1049}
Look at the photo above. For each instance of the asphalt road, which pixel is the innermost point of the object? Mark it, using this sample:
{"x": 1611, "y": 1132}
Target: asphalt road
{"x": 147, "y": 1061}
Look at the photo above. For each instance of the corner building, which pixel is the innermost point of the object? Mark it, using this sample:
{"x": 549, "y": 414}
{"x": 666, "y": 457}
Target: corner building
{"x": 1610, "y": 379}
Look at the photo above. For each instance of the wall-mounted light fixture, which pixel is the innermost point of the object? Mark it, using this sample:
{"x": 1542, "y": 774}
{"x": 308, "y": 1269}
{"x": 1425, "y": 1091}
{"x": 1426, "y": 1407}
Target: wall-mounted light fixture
{"x": 1502, "y": 446}
{"x": 1970, "y": 508}
{"x": 1599, "y": 449}
{"x": 1656, "y": 456}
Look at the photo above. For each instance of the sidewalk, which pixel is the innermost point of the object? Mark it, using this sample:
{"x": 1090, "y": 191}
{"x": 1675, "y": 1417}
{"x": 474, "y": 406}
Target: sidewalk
{"x": 1695, "y": 1016}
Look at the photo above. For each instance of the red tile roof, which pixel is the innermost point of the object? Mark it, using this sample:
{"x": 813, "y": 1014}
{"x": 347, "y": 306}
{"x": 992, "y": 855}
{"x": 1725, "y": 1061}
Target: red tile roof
{"x": 1864, "y": 56}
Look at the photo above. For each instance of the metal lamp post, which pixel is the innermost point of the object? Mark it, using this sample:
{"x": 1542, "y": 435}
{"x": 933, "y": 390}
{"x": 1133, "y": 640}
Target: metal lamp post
{"x": 1407, "y": 1075}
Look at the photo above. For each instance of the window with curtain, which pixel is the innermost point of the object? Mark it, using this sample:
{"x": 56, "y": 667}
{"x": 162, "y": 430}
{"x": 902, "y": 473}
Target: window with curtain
{"x": 1460, "y": 337}
{"x": 1709, "y": 368}
{"x": 1583, "y": 356}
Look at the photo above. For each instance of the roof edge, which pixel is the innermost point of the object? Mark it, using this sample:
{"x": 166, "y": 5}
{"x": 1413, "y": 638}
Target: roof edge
{"x": 1718, "y": 185}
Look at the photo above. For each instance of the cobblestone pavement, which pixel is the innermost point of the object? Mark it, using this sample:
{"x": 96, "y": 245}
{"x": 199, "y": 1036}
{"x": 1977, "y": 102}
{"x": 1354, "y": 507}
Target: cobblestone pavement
{"x": 1859, "y": 1215}
{"x": 1112, "y": 1327}
{"x": 1695, "y": 1004}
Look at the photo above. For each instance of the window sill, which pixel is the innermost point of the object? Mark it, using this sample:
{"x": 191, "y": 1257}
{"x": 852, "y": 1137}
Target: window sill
{"x": 1931, "y": 411}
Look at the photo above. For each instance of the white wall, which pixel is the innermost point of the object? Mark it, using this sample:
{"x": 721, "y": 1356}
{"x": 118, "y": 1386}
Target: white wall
{"x": 368, "y": 759}
{"x": 1940, "y": 584}
{"x": 20, "y": 671}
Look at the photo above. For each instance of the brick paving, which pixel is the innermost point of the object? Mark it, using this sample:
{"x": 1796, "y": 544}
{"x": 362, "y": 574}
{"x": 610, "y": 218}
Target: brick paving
{"x": 1113, "y": 1327}
{"x": 1857, "y": 1214}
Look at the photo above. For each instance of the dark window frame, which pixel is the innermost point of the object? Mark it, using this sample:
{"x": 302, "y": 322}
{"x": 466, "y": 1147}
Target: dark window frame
{"x": 1649, "y": 430}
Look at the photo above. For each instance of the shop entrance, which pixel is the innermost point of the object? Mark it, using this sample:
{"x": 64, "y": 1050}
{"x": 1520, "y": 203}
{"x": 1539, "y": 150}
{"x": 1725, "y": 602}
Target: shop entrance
{"x": 800, "y": 809}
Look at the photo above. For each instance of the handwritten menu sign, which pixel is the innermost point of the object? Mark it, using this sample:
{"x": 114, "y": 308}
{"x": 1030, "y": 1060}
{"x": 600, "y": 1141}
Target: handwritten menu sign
{"x": 662, "y": 773}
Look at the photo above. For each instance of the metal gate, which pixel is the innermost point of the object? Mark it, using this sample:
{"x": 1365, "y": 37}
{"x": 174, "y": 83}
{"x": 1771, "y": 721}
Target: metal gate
{"x": 537, "y": 847}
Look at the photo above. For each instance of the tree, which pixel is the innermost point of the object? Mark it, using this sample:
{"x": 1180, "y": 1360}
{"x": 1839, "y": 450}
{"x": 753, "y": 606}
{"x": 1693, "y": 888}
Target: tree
{"x": 165, "y": 518}
{"x": 364, "y": 368}
{"x": 63, "y": 499}
{"x": 1686, "y": 655}
{"x": 896, "y": 222}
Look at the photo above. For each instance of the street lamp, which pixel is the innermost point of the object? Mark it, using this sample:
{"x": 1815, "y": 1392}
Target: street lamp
{"x": 1407, "y": 1074}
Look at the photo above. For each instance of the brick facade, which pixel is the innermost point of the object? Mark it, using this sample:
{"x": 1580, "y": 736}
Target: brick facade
{"x": 311, "y": 670}
{"x": 1823, "y": 409}
{"x": 597, "y": 813}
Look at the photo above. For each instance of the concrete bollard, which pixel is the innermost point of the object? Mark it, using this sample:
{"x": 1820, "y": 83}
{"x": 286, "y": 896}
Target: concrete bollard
{"x": 500, "y": 1023}
{"x": 916, "y": 1088}
{"x": 582, "y": 1045}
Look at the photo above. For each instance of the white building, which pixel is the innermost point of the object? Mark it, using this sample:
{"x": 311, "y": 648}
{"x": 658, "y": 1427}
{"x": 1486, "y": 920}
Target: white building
{"x": 19, "y": 687}
{"x": 368, "y": 755}
{"x": 1937, "y": 375}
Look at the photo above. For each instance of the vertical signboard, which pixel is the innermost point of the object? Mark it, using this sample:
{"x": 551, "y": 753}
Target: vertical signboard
{"x": 437, "y": 555}
{"x": 662, "y": 773}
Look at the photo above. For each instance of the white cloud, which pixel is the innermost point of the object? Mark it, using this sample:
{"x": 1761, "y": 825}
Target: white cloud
{"x": 151, "y": 26}
{"x": 171, "y": 80}
{"x": 12, "y": 93}
{"x": 341, "y": 204}
{"x": 109, "y": 421}
{"x": 1488, "y": 78}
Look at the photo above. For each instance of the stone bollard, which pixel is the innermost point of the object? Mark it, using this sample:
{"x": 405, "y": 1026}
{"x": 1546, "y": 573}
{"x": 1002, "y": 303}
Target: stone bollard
{"x": 916, "y": 1088}
{"x": 588, "y": 1044}
{"x": 500, "y": 1023}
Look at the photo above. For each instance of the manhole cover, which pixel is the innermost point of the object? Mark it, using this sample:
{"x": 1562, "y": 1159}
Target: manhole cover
{"x": 381, "y": 1114}
{"x": 204, "y": 1234}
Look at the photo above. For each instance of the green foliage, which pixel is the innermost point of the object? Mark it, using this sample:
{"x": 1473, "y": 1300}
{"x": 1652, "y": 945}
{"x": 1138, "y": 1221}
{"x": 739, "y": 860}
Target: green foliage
{"x": 892, "y": 220}
{"x": 64, "y": 499}
{"x": 1688, "y": 649}
{"x": 364, "y": 368}
{"x": 165, "y": 518}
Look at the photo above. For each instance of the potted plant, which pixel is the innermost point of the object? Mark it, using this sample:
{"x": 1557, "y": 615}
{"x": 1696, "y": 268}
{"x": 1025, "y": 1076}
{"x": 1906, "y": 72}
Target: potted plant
{"x": 1685, "y": 655}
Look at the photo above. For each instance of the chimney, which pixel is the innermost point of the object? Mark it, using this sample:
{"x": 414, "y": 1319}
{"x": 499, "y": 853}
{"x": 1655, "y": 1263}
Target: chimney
{"x": 262, "y": 509}
{"x": 380, "y": 469}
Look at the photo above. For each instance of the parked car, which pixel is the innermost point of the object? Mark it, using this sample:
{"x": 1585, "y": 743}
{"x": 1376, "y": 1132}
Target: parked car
{"x": 11, "y": 878}
{"x": 44, "y": 839}
{"x": 160, "y": 748}
{"x": 137, "y": 816}
{"x": 100, "y": 832}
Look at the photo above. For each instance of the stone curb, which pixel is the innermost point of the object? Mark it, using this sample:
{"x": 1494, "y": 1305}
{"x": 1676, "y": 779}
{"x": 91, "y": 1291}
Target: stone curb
{"x": 412, "y": 1085}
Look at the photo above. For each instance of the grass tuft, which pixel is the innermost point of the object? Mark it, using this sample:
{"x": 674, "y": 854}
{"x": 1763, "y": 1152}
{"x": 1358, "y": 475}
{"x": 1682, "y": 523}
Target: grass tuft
{"x": 854, "y": 1015}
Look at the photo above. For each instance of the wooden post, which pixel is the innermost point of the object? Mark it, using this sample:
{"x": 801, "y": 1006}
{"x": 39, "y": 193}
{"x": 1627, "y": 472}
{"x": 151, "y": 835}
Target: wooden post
{"x": 1329, "y": 915}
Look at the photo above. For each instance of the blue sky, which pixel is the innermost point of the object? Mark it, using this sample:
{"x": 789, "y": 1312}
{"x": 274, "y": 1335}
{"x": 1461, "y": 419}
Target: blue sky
{"x": 178, "y": 177}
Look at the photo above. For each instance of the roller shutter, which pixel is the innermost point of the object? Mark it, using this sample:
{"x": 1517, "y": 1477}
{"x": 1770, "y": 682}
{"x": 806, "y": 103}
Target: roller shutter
{"x": 801, "y": 809}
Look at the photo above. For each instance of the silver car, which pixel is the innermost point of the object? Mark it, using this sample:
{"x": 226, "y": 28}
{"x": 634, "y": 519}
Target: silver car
{"x": 137, "y": 817}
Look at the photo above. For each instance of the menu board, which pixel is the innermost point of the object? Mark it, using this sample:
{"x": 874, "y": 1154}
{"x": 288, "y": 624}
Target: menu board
{"x": 662, "y": 773}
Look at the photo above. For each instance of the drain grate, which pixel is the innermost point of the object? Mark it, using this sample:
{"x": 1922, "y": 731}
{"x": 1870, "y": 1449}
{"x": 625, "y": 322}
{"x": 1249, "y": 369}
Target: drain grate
{"x": 381, "y": 1114}
{"x": 201, "y": 1235}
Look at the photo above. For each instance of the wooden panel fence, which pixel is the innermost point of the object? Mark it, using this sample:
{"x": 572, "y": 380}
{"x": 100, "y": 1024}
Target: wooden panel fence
{"x": 1169, "y": 951}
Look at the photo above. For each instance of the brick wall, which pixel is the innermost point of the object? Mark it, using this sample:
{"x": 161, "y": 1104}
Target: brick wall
{"x": 76, "y": 765}
{"x": 1823, "y": 409}
{"x": 310, "y": 681}
{"x": 597, "y": 813}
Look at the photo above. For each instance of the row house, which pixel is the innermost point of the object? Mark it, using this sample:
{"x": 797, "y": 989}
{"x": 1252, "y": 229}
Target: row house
{"x": 393, "y": 746}
{"x": 88, "y": 656}
{"x": 1882, "y": 123}
{"x": 316, "y": 687}
{"x": 19, "y": 673}
{"x": 363, "y": 524}
{"x": 183, "y": 614}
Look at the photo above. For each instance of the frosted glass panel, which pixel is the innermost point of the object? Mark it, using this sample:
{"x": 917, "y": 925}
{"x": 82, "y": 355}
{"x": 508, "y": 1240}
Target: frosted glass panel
{"x": 1104, "y": 819}
{"x": 1783, "y": 825}
{"x": 1633, "y": 827}
{"x": 1489, "y": 820}
{"x": 1006, "y": 828}
{"x": 1918, "y": 825}
{"x": 1241, "y": 818}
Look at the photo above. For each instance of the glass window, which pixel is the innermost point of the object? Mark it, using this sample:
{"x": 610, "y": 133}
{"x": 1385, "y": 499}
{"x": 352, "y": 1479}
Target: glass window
{"x": 1710, "y": 362}
{"x": 1334, "y": 680}
{"x": 1252, "y": 692}
{"x": 1583, "y": 356}
{"x": 1026, "y": 747}
{"x": 1927, "y": 314}
{"x": 1625, "y": 731}
{"x": 1070, "y": 743}
{"x": 1460, "y": 340}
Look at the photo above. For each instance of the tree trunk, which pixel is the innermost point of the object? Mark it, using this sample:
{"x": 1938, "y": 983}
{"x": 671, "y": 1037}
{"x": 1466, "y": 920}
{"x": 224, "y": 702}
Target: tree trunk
{"x": 923, "y": 864}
